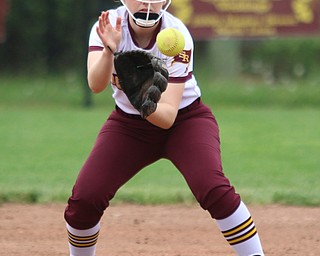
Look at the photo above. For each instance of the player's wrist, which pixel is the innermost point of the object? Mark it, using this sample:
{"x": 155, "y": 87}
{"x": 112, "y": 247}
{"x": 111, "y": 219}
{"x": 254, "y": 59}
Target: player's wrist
{"x": 107, "y": 51}
{"x": 110, "y": 50}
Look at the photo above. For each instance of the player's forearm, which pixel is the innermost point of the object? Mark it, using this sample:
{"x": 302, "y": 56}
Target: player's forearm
{"x": 168, "y": 106}
{"x": 164, "y": 116}
{"x": 99, "y": 70}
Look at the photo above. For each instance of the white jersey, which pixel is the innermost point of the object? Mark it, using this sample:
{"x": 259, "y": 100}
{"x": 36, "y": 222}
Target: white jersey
{"x": 180, "y": 67}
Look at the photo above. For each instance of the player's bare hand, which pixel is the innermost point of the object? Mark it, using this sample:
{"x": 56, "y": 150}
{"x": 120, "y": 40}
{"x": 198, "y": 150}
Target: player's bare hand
{"x": 109, "y": 35}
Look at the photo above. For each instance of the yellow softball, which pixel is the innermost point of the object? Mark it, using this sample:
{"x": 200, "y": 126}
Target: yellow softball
{"x": 170, "y": 42}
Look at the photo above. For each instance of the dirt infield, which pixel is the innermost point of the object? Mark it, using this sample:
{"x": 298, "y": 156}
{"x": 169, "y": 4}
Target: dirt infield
{"x": 132, "y": 230}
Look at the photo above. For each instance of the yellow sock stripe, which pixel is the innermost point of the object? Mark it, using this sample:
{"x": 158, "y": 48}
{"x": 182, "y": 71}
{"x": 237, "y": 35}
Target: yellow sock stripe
{"x": 83, "y": 238}
{"x": 243, "y": 237}
{"x": 83, "y": 244}
{"x": 238, "y": 228}
{"x": 83, "y": 241}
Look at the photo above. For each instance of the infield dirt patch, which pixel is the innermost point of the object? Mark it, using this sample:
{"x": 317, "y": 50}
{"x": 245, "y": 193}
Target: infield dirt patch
{"x": 174, "y": 230}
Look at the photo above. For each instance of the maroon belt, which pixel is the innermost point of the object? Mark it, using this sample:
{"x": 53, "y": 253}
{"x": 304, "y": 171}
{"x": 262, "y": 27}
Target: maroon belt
{"x": 190, "y": 107}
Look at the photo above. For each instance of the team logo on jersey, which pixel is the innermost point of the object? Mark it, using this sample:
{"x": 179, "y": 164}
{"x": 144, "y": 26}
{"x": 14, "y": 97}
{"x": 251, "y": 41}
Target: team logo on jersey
{"x": 182, "y": 57}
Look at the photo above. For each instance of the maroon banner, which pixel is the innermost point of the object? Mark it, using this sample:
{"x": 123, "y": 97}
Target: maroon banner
{"x": 209, "y": 19}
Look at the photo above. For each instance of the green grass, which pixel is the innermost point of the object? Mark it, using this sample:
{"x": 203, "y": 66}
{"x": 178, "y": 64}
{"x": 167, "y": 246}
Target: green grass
{"x": 271, "y": 154}
{"x": 270, "y": 142}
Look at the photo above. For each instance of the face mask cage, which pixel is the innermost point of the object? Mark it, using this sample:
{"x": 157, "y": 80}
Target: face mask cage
{"x": 147, "y": 19}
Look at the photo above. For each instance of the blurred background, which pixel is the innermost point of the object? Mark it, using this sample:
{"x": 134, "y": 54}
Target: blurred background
{"x": 257, "y": 62}
{"x": 51, "y": 36}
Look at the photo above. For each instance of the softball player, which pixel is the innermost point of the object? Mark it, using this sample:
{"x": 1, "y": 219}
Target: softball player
{"x": 182, "y": 129}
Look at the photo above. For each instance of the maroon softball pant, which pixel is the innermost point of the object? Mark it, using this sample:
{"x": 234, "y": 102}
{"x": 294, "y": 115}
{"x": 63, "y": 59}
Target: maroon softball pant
{"x": 126, "y": 144}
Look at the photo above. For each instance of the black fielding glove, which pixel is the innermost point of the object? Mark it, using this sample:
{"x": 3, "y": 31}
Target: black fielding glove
{"x": 143, "y": 78}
